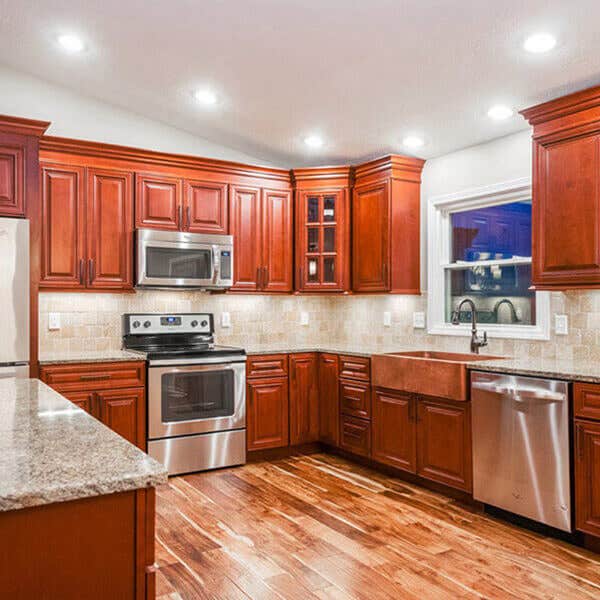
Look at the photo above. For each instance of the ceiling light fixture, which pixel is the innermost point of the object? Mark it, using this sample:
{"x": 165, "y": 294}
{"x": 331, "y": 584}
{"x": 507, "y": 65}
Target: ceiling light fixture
{"x": 71, "y": 43}
{"x": 499, "y": 112}
{"x": 413, "y": 141}
{"x": 205, "y": 97}
{"x": 539, "y": 43}
{"x": 313, "y": 141}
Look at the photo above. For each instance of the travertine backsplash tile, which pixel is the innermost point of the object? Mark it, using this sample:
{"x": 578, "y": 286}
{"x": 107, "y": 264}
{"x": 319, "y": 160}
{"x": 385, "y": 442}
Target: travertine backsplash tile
{"x": 93, "y": 321}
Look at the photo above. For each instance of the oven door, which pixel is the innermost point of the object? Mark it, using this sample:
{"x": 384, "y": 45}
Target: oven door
{"x": 189, "y": 399}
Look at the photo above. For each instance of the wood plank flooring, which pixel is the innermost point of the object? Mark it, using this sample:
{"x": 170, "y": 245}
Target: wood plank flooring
{"x": 320, "y": 527}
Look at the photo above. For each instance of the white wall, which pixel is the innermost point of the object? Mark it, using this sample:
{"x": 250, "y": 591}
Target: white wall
{"x": 85, "y": 118}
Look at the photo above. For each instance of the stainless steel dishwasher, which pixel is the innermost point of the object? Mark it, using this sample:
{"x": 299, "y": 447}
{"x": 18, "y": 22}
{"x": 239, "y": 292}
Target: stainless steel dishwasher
{"x": 521, "y": 446}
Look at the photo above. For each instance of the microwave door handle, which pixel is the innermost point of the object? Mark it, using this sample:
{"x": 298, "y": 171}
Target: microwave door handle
{"x": 216, "y": 264}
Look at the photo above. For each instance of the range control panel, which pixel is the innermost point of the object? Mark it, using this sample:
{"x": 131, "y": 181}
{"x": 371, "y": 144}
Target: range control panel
{"x": 146, "y": 324}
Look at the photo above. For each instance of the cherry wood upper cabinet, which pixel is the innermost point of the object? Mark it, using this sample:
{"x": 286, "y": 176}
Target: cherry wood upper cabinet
{"x": 158, "y": 203}
{"x": 277, "y": 241}
{"x": 386, "y": 226}
{"x": 587, "y": 477}
{"x": 322, "y": 229}
{"x": 329, "y": 409}
{"x": 566, "y": 192}
{"x": 205, "y": 207}
{"x": 268, "y": 416}
{"x": 304, "y": 399}
{"x": 63, "y": 226}
{"x": 110, "y": 229}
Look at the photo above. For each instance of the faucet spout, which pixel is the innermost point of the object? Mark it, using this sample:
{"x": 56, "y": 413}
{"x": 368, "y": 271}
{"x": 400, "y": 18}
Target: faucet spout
{"x": 476, "y": 341}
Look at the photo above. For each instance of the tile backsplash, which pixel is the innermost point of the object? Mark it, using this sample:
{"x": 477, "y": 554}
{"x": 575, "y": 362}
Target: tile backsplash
{"x": 93, "y": 321}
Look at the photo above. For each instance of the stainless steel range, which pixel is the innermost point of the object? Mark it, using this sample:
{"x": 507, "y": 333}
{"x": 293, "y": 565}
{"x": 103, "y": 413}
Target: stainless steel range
{"x": 196, "y": 391}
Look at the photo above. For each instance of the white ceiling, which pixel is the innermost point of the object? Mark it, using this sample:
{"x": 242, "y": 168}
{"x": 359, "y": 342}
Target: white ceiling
{"x": 362, "y": 73}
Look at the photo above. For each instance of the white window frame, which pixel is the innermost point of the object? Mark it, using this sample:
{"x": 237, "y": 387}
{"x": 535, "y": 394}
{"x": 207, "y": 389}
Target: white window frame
{"x": 438, "y": 252}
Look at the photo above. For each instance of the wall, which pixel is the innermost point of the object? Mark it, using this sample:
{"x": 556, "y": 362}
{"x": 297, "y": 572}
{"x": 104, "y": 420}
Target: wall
{"x": 84, "y": 118}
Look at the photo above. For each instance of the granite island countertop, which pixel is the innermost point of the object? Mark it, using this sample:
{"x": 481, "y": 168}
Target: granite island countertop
{"x": 90, "y": 356}
{"x": 52, "y": 451}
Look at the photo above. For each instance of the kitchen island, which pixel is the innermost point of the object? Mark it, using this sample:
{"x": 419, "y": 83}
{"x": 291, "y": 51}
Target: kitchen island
{"x": 76, "y": 501}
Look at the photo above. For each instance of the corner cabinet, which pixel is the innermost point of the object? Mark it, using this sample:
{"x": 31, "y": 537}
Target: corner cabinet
{"x": 304, "y": 399}
{"x": 322, "y": 229}
{"x": 566, "y": 192}
{"x": 386, "y": 226}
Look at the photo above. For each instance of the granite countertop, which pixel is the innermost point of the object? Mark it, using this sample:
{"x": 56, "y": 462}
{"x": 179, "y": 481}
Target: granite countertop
{"x": 52, "y": 451}
{"x": 84, "y": 356}
{"x": 365, "y": 351}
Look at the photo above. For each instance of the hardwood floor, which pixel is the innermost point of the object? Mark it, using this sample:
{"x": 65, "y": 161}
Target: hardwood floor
{"x": 318, "y": 526}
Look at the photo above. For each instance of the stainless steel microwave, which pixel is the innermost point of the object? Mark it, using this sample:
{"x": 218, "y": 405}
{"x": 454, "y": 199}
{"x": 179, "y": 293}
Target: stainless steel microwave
{"x": 175, "y": 259}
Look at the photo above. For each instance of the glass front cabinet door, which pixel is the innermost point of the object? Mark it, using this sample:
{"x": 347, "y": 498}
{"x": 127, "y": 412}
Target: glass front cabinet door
{"x": 321, "y": 241}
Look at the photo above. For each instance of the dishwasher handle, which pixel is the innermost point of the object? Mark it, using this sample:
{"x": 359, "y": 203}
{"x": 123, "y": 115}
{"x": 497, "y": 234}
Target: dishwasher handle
{"x": 520, "y": 394}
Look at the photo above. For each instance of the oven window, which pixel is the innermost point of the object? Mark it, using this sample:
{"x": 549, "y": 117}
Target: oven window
{"x": 197, "y": 395}
{"x": 176, "y": 263}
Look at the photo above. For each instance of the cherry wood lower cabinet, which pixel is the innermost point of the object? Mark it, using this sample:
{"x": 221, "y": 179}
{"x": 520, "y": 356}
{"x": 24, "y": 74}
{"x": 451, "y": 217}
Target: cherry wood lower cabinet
{"x": 329, "y": 410}
{"x": 267, "y": 418}
{"x": 444, "y": 442}
{"x": 355, "y": 435}
{"x": 114, "y": 393}
{"x": 95, "y": 548}
{"x": 394, "y": 426}
{"x": 587, "y": 477}
{"x": 304, "y": 399}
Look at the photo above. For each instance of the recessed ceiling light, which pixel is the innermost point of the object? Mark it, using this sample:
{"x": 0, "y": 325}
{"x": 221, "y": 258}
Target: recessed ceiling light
{"x": 71, "y": 43}
{"x": 413, "y": 141}
{"x": 313, "y": 141}
{"x": 206, "y": 97}
{"x": 499, "y": 112}
{"x": 539, "y": 43}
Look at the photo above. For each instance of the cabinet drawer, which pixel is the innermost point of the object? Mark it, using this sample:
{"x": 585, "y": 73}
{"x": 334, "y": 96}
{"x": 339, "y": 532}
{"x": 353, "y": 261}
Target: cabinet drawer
{"x": 94, "y": 376}
{"x": 355, "y": 435}
{"x": 355, "y": 399}
{"x": 270, "y": 365}
{"x": 586, "y": 400}
{"x": 355, "y": 367}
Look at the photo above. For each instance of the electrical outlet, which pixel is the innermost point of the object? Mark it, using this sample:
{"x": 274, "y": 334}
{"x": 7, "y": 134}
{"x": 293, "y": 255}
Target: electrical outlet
{"x": 225, "y": 320}
{"x": 303, "y": 317}
{"x": 561, "y": 324}
{"x": 419, "y": 320}
{"x": 53, "y": 321}
{"x": 387, "y": 319}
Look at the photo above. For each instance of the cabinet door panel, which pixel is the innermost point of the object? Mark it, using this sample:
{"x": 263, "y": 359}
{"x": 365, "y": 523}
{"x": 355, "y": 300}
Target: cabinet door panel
{"x": 268, "y": 414}
{"x": 566, "y": 213}
{"x": 277, "y": 241}
{"x": 394, "y": 439}
{"x": 63, "y": 222}
{"x": 110, "y": 229}
{"x": 158, "y": 202}
{"x": 444, "y": 443}
{"x": 370, "y": 226}
{"x": 124, "y": 412}
{"x": 12, "y": 181}
{"x": 329, "y": 410}
{"x": 206, "y": 207}
{"x": 84, "y": 400}
{"x": 355, "y": 399}
{"x": 355, "y": 435}
{"x": 245, "y": 215}
{"x": 304, "y": 399}
{"x": 587, "y": 477}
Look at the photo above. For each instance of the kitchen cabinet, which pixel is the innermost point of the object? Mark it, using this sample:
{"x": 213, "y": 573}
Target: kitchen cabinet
{"x": 566, "y": 192}
{"x": 261, "y": 224}
{"x": 394, "y": 427}
{"x": 355, "y": 435}
{"x": 206, "y": 207}
{"x": 267, "y": 416}
{"x": 386, "y": 226}
{"x": 87, "y": 228}
{"x": 355, "y": 399}
{"x": 304, "y": 399}
{"x": 329, "y": 399}
{"x": 444, "y": 442}
{"x": 587, "y": 477}
{"x": 114, "y": 393}
{"x": 322, "y": 229}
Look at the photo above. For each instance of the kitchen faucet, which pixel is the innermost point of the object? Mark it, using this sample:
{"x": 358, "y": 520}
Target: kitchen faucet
{"x": 476, "y": 341}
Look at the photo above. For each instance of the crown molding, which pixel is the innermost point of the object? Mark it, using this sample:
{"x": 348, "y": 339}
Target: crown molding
{"x": 21, "y": 126}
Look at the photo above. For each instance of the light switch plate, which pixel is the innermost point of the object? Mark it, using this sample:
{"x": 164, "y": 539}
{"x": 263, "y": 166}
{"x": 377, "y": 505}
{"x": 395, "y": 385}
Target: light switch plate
{"x": 387, "y": 318}
{"x": 303, "y": 317}
{"x": 53, "y": 321}
{"x": 225, "y": 320}
{"x": 561, "y": 324}
{"x": 419, "y": 320}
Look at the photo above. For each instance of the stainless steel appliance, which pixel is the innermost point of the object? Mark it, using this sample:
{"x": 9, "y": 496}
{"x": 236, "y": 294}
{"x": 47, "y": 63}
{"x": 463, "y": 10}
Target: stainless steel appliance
{"x": 14, "y": 298}
{"x": 196, "y": 391}
{"x": 175, "y": 259}
{"x": 521, "y": 446}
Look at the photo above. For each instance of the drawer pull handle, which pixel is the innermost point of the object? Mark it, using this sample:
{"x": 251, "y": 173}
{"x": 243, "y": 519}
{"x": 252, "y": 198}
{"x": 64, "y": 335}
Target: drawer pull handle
{"x": 94, "y": 377}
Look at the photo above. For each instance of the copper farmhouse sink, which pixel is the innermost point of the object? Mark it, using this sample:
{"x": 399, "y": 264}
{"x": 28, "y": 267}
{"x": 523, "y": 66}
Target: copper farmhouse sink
{"x": 426, "y": 372}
